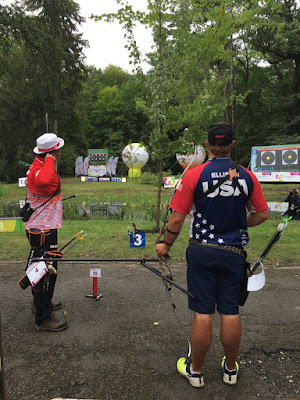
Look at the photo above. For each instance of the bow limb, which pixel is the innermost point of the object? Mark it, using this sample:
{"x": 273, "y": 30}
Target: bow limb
{"x": 166, "y": 279}
{"x": 167, "y": 209}
{"x": 163, "y": 260}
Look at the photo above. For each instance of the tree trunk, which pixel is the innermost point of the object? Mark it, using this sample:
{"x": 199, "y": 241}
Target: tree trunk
{"x": 160, "y": 124}
{"x": 227, "y": 108}
{"x": 160, "y": 175}
{"x": 232, "y": 96}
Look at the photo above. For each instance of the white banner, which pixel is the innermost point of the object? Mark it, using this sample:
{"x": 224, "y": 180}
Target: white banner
{"x": 278, "y": 206}
{"x": 97, "y": 170}
{"x": 278, "y": 176}
{"x": 110, "y": 165}
{"x": 170, "y": 182}
{"x": 114, "y": 168}
{"x": 79, "y": 166}
{"x": 86, "y": 166}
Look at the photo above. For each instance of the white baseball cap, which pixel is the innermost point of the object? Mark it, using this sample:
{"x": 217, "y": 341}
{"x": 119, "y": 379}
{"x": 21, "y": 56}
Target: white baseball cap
{"x": 48, "y": 142}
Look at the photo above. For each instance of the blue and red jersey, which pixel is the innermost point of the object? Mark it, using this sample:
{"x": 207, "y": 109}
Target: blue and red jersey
{"x": 221, "y": 216}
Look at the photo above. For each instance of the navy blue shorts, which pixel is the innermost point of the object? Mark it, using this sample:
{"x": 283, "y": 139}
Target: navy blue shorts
{"x": 214, "y": 276}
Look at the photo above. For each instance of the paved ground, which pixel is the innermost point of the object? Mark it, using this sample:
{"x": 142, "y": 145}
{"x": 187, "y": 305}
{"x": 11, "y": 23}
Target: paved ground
{"x": 126, "y": 345}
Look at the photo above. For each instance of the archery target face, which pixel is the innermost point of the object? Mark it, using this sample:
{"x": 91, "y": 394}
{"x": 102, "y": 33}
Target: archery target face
{"x": 289, "y": 157}
{"x": 268, "y": 158}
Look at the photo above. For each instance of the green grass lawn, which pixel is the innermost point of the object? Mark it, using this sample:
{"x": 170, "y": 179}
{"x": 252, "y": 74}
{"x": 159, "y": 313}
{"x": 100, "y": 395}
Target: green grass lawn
{"x": 130, "y": 192}
{"x": 109, "y": 238}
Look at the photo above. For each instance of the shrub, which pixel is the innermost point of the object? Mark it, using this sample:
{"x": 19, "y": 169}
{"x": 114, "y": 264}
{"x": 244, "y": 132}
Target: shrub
{"x": 152, "y": 179}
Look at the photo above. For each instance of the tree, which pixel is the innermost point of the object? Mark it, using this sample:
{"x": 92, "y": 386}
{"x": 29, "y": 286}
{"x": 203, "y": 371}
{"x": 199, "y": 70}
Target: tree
{"x": 44, "y": 71}
{"x": 277, "y": 38}
{"x": 116, "y": 120}
{"x": 58, "y": 51}
{"x": 267, "y": 112}
{"x": 181, "y": 90}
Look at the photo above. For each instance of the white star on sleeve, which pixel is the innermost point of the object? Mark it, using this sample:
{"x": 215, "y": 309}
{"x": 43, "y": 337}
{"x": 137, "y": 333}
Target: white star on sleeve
{"x": 199, "y": 215}
{"x": 197, "y": 225}
{"x": 197, "y": 236}
{"x": 204, "y": 222}
{"x": 203, "y": 231}
{"x": 212, "y": 227}
{"x": 220, "y": 240}
{"x": 204, "y": 241}
{"x": 211, "y": 236}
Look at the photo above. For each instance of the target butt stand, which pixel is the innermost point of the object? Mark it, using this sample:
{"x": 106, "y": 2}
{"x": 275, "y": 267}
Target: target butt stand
{"x": 95, "y": 273}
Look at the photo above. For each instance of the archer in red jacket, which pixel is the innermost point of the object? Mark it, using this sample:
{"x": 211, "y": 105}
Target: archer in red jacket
{"x": 44, "y": 197}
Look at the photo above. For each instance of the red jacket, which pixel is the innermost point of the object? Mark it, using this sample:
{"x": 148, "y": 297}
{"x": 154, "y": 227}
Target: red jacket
{"x": 42, "y": 178}
{"x": 42, "y": 182}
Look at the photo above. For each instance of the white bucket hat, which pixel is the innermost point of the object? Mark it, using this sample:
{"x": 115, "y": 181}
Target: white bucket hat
{"x": 48, "y": 142}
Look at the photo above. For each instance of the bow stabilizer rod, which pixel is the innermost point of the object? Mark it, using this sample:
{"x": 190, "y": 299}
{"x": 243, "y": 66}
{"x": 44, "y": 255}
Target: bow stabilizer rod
{"x": 143, "y": 262}
{"x": 95, "y": 260}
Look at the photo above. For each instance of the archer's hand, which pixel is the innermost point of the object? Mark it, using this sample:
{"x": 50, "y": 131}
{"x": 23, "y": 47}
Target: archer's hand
{"x": 162, "y": 249}
{"x": 50, "y": 155}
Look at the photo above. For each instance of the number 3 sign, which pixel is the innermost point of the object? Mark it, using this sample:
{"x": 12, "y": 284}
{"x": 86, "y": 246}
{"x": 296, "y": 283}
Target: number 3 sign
{"x": 140, "y": 239}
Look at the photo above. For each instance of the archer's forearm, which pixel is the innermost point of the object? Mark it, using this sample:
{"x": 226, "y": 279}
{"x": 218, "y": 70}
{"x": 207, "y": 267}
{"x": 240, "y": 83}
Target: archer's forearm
{"x": 174, "y": 227}
{"x": 254, "y": 219}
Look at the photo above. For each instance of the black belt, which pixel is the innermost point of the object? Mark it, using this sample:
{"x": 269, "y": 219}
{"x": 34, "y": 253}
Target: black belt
{"x": 231, "y": 249}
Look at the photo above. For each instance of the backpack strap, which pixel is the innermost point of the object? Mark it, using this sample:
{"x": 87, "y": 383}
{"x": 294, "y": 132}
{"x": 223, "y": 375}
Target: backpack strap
{"x": 233, "y": 174}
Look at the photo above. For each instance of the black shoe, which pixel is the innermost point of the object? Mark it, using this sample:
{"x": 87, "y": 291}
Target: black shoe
{"x": 56, "y": 306}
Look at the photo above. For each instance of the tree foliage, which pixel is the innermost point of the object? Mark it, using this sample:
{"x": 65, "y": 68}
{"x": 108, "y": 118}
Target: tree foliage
{"x": 211, "y": 60}
{"x": 42, "y": 72}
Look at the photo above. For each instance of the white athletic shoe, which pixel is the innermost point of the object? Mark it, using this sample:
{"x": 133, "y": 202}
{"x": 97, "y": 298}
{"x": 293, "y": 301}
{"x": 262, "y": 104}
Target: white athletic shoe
{"x": 183, "y": 367}
{"x": 230, "y": 377}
